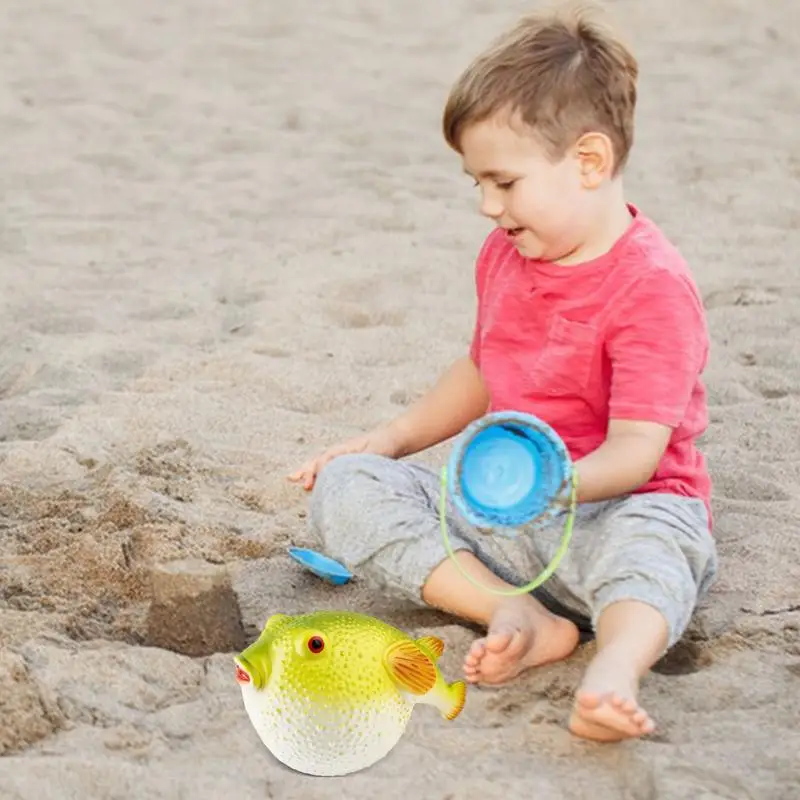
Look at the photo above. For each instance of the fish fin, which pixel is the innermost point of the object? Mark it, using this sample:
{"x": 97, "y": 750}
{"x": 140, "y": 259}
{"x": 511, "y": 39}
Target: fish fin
{"x": 410, "y": 667}
{"x": 432, "y": 643}
{"x": 456, "y": 694}
{"x": 275, "y": 620}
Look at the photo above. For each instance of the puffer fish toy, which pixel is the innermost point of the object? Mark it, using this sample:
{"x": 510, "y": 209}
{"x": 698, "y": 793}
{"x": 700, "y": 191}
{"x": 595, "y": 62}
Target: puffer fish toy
{"x": 331, "y": 692}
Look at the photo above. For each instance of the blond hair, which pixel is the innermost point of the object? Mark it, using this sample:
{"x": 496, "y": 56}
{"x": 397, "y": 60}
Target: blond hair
{"x": 562, "y": 73}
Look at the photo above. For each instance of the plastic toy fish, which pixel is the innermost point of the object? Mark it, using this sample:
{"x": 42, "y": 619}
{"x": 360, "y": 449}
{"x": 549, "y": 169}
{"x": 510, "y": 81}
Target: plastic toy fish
{"x": 331, "y": 692}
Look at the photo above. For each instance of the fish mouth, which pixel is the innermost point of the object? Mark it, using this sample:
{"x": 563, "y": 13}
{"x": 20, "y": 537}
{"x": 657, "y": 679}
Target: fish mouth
{"x": 248, "y": 674}
{"x": 251, "y": 673}
{"x": 242, "y": 674}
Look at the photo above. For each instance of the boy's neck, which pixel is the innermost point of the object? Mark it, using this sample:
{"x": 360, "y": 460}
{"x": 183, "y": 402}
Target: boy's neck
{"x": 612, "y": 222}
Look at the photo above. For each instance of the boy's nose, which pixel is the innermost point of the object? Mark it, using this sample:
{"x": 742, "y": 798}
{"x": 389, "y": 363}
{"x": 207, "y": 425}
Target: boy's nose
{"x": 491, "y": 206}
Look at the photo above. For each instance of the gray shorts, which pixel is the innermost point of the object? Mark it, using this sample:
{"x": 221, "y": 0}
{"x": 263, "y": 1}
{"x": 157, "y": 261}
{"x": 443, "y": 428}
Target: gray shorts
{"x": 380, "y": 517}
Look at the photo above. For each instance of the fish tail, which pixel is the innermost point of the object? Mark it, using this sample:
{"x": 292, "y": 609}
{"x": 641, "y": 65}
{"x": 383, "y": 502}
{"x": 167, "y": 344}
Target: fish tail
{"x": 452, "y": 699}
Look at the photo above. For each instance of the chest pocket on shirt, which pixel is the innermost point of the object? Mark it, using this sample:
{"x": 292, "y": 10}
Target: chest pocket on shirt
{"x": 567, "y": 358}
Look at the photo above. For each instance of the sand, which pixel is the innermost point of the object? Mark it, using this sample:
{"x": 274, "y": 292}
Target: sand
{"x": 233, "y": 234}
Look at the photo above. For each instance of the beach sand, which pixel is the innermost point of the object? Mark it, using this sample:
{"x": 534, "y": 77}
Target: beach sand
{"x": 232, "y": 234}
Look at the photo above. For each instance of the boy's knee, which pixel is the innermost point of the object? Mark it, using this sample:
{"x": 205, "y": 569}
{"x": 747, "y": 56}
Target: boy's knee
{"x": 340, "y": 492}
{"x": 657, "y": 552}
{"x": 676, "y": 606}
{"x": 333, "y": 485}
{"x": 336, "y": 473}
{"x": 665, "y": 581}
{"x": 344, "y": 475}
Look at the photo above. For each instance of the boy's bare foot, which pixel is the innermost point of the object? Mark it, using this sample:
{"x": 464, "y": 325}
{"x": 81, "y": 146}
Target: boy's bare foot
{"x": 522, "y": 634}
{"x": 605, "y": 708}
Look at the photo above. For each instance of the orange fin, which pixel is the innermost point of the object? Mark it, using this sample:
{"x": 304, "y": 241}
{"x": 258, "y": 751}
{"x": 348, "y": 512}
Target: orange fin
{"x": 457, "y": 695}
{"x": 434, "y": 644}
{"x": 410, "y": 668}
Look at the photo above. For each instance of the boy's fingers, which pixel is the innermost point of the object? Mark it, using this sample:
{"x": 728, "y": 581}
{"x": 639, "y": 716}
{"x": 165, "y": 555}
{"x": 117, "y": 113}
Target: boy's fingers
{"x": 303, "y": 472}
{"x": 311, "y": 476}
{"x": 310, "y": 469}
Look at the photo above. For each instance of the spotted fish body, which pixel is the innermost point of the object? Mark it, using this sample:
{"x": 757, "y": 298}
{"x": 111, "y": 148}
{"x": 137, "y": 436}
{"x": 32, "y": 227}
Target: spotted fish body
{"x": 331, "y": 692}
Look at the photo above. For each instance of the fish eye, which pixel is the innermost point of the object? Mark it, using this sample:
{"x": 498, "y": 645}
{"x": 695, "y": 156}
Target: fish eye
{"x": 316, "y": 644}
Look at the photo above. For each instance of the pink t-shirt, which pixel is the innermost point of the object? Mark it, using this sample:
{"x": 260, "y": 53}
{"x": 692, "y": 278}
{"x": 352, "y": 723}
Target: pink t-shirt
{"x": 622, "y": 336}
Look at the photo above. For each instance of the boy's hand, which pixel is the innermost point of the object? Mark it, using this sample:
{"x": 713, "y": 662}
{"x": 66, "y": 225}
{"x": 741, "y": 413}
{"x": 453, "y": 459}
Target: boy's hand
{"x": 382, "y": 442}
{"x": 459, "y": 397}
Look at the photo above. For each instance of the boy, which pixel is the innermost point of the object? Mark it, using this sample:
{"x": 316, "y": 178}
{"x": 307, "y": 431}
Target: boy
{"x": 587, "y": 318}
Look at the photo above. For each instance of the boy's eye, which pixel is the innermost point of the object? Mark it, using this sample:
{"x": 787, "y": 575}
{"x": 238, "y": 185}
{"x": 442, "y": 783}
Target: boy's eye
{"x": 499, "y": 184}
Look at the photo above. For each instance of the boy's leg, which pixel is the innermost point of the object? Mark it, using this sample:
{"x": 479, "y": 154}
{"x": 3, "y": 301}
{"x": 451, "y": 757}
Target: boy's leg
{"x": 522, "y": 633}
{"x": 380, "y": 517}
{"x": 655, "y": 559}
{"x": 631, "y": 637}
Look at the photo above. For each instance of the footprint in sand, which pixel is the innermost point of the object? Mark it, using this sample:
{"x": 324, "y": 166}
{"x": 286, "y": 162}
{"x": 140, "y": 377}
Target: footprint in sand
{"x": 165, "y": 312}
{"x": 236, "y": 314}
{"x": 25, "y": 423}
{"x": 25, "y": 703}
{"x": 63, "y": 324}
{"x": 742, "y": 296}
{"x": 352, "y": 318}
{"x": 774, "y": 394}
{"x": 126, "y": 364}
{"x": 17, "y": 365}
{"x": 688, "y": 781}
{"x": 346, "y": 300}
{"x": 354, "y": 290}
{"x": 685, "y": 658}
{"x": 740, "y": 485}
{"x": 772, "y": 371}
{"x": 402, "y": 397}
{"x": 171, "y": 469}
{"x": 233, "y": 296}
{"x": 272, "y": 352}
{"x": 726, "y": 392}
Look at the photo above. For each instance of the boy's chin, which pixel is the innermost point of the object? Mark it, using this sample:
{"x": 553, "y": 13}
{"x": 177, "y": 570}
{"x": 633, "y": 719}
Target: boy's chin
{"x": 529, "y": 248}
{"x": 535, "y": 250}
{"x": 528, "y": 245}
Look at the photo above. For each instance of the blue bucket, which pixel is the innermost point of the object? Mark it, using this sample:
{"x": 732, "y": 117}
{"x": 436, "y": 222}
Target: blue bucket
{"x": 507, "y": 470}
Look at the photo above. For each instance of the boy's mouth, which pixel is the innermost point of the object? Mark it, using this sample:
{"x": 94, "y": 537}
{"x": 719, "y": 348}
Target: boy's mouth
{"x": 514, "y": 232}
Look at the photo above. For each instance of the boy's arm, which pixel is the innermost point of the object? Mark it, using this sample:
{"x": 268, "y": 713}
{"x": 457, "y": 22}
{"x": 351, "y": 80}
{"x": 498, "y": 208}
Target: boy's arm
{"x": 625, "y": 461}
{"x": 658, "y": 348}
{"x": 458, "y": 398}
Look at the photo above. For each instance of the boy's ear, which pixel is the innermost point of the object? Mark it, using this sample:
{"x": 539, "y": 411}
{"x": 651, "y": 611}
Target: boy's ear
{"x": 595, "y": 155}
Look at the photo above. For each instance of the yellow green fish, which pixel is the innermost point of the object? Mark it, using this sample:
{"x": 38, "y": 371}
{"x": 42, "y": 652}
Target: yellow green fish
{"x": 331, "y": 692}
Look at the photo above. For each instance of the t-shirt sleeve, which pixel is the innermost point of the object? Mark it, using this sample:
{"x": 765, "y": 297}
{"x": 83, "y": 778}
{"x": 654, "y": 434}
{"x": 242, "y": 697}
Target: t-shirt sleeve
{"x": 658, "y": 347}
{"x": 484, "y": 267}
{"x": 474, "y": 347}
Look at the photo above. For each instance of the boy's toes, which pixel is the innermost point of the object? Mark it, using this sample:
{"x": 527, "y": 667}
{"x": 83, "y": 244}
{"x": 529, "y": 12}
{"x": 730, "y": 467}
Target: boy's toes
{"x": 587, "y": 700}
{"x": 609, "y": 718}
{"x": 472, "y": 661}
{"x": 475, "y": 653}
{"x": 644, "y": 721}
{"x": 640, "y": 717}
{"x": 626, "y": 706}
